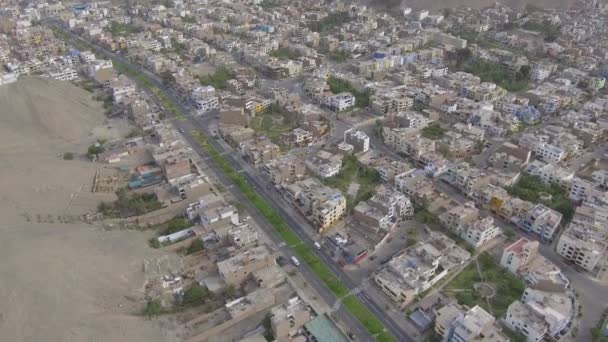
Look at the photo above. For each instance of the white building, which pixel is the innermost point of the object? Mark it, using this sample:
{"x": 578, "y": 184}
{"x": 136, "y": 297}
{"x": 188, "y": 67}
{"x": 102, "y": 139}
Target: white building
{"x": 413, "y": 119}
{"x": 540, "y": 72}
{"x": 87, "y": 57}
{"x": 203, "y": 105}
{"x": 524, "y": 320}
{"x": 581, "y": 189}
{"x": 324, "y": 164}
{"x": 480, "y": 232}
{"x": 63, "y": 74}
{"x": 340, "y": 102}
{"x": 556, "y": 308}
{"x": 454, "y": 323}
{"x": 550, "y": 153}
{"x": 358, "y": 139}
{"x": 585, "y": 244}
{"x": 8, "y": 78}
{"x": 550, "y": 173}
{"x": 519, "y": 254}
{"x": 542, "y": 221}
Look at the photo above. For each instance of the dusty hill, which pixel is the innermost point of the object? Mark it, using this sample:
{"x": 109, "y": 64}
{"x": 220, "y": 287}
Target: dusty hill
{"x": 59, "y": 281}
{"x": 41, "y": 113}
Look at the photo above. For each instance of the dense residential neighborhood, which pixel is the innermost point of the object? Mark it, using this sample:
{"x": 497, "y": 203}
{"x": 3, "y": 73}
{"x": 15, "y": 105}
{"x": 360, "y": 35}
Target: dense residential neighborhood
{"x": 332, "y": 172}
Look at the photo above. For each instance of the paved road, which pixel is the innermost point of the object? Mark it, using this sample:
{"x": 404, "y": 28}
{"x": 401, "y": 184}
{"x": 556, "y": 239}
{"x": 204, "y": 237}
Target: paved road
{"x": 296, "y": 221}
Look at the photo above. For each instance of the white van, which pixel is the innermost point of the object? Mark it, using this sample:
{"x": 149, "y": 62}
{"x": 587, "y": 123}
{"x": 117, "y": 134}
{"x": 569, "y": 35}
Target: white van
{"x": 295, "y": 261}
{"x": 317, "y": 245}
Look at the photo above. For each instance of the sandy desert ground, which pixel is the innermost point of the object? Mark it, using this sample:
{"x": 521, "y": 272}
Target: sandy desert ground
{"x": 62, "y": 281}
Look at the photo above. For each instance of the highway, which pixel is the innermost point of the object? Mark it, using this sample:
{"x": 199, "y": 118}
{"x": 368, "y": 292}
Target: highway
{"x": 294, "y": 219}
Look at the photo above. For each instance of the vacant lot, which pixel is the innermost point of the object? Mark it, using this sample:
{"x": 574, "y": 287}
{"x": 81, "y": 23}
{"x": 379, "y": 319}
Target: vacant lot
{"x": 73, "y": 283}
{"x": 61, "y": 279}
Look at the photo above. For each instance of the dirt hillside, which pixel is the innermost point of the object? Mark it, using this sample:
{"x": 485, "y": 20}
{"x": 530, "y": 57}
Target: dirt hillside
{"x": 42, "y": 114}
{"x": 62, "y": 282}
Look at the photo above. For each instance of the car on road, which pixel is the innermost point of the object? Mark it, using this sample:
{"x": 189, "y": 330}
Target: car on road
{"x": 181, "y": 130}
{"x": 317, "y": 245}
{"x": 295, "y": 261}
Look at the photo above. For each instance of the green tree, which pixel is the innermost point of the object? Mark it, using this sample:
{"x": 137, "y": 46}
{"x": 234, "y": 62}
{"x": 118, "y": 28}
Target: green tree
{"x": 230, "y": 292}
{"x": 196, "y": 246}
{"x": 95, "y": 150}
{"x": 153, "y": 308}
{"x": 176, "y": 224}
{"x": 195, "y": 295}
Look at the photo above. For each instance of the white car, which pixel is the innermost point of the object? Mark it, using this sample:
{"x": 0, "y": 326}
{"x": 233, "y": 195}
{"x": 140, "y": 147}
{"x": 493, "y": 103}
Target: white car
{"x": 295, "y": 261}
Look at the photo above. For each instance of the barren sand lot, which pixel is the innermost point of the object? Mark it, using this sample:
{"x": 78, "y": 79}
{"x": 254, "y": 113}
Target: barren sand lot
{"x": 62, "y": 281}
{"x": 73, "y": 283}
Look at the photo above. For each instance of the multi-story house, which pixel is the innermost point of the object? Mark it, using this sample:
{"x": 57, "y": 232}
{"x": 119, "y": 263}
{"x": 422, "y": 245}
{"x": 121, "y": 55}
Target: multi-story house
{"x": 419, "y": 267}
{"x": 524, "y": 320}
{"x": 324, "y": 205}
{"x": 237, "y": 268}
{"x": 284, "y": 169}
{"x": 358, "y": 139}
{"x": 260, "y": 150}
{"x": 519, "y": 254}
{"x": 480, "y": 232}
{"x": 550, "y": 153}
{"x": 585, "y": 243}
{"x": 340, "y": 102}
{"x": 456, "y": 323}
{"x": 542, "y": 221}
{"x": 459, "y": 217}
{"x": 325, "y": 164}
{"x": 384, "y": 209}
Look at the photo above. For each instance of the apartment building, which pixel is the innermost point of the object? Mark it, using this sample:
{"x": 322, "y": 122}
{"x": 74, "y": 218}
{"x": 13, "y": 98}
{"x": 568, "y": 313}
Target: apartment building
{"x": 260, "y": 150}
{"x": 384, "y": 209}
{"x": 480, "y": 232}
{"x": 526, "y": 321}
{"x": 519, "y": 254}
{"x": 458, "y": 323}
{"x": 236, "y": 269}
{"x": 541, "y": 71}
{"x": 582, "y": 189}
{"x": 389, "y": 171}
{"x": 550, "y": 173}
{"x": 340, "y": 102}
{"x": 415, "y": 186}
{"x": 459, "y": 217}
{"x": 284, "y": 169}
{"x": 63, "y": 74}
{"x": 358, "y": 139}
{"x": 550, "y": 153}
{"x": 466, "y": 178}
{"x": 585, "y": 243}
{"x": 323, "y": 205}
{"x": 325, "y": 164}
{"x": 298, "y": 137}
{"x": 412, "y": 119}
{"x": 243, "y": 236}
{"x": 287, "y": 319}
{"x": 207, "y": 104}
{"x": 542, "y": 221}
{"x": 419, "y": 267}
{"x": 556, "y": 308}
